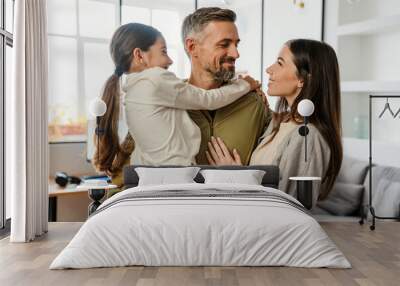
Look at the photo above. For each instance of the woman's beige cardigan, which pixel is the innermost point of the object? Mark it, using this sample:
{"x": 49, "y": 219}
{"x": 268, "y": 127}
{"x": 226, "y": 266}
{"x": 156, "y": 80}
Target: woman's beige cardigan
{"x": 290, "y": 159}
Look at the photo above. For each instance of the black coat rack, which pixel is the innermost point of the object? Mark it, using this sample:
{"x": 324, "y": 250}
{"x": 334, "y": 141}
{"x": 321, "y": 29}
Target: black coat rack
{"x": 394, "y": 114}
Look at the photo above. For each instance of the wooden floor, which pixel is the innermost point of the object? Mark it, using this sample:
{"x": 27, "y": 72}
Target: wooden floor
{"x": 374, "y": 255}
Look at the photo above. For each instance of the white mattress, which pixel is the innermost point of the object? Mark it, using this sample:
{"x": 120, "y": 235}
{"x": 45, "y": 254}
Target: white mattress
{"x": 202, "y": 231}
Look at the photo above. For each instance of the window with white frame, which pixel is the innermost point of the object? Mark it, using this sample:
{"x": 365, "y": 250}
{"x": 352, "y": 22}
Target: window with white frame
{"x": 249, "y": 24}
{"x": 6, "y": 44}
{"x": 79, "y": 33}
{"x": 157, "y": 14}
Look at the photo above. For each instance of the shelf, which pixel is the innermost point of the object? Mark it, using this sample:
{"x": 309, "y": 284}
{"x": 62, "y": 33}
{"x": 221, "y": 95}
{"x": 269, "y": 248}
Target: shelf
{"x": 370, "y": 86}
{"x": 369, "y": 27}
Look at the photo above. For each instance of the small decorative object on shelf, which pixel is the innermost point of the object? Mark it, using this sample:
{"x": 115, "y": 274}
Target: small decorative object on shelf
{"x": 386, "y": 109}
{"x": 360, "y": 123}
{"x": 299, "y": 3}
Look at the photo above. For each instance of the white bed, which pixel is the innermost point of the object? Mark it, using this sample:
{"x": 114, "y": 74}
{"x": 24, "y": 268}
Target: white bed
{"x": 201, "y": 224}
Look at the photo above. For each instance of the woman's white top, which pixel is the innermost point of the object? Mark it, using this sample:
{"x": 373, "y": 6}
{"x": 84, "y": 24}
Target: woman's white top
{"x": 155, "y": 106}
{"x": 265, "y": 152}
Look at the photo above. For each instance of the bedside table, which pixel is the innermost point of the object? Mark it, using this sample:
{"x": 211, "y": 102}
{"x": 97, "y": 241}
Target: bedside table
{"x": 305, "y": 190}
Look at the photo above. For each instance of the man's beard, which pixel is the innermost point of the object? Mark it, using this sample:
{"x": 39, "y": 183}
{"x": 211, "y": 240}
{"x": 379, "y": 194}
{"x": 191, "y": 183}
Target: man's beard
{"x": 223, "y": 75}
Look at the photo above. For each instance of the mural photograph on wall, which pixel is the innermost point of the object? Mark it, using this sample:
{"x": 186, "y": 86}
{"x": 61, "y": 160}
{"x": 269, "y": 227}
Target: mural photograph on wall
{"x": 196, "y": 92}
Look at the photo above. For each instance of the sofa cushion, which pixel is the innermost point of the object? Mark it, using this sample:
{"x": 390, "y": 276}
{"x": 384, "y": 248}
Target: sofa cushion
{"x": 353, "y": 171}
{"x": 386, "y": 198}
{"x": 319, "y": 211}
{"x": 379, "y": 173}
{"x": 344, "y": 199}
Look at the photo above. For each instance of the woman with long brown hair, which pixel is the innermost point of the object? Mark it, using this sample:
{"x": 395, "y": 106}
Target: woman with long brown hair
{"x": 155, "y": 104}
{"x": 304, "y": 69}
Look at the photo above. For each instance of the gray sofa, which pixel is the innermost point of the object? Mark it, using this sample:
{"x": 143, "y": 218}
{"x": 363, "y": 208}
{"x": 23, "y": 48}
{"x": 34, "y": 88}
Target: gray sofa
{"x": 350, "y": 194}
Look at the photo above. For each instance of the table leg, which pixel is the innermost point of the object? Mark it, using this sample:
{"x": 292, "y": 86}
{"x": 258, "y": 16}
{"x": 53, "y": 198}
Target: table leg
{"x": 52, "y": 208}
{"x": 304, "y": 193}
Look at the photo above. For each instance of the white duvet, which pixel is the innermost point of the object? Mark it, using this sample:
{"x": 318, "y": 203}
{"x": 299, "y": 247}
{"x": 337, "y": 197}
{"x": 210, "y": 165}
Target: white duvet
{"x": 183, "y": 231}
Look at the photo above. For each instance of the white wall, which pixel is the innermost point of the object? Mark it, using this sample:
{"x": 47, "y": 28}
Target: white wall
{"x": 382, "y": 152}
{"x": 372, "y": 58}
{"x": 248, "y": 22}
{"x": 364, "y": 57}
{"x": 69, "y": 158}
{"x": 364, "y": 9}
{"x": 284, "y": 21}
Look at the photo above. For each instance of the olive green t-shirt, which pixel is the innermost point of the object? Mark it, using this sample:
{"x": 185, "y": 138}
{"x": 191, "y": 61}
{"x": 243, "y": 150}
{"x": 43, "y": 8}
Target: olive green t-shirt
{"x": 239, "y": 124}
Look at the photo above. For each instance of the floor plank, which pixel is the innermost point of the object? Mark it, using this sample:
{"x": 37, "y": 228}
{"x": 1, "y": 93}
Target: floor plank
{"x": 374, "y": 255}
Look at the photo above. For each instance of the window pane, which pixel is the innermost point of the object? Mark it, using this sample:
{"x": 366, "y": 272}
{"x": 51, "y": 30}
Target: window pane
{"x": 79, "y": 62}
{"x": 248, "y": 22}
{"x": 9, "y": 15}
{"x": 135, "y": 14}
{"x": 97, "y": 19}
{"x": 62, "y": 17}
{"x": 171, "y": 31}
{"x": 8, "y": 79}
{"x": 64, "y": 99}
{"x": 173, "y": 54}
{"x": 293, "y": 23}
{"x": 96, "y": 55}
{"x": 166, "y": 16}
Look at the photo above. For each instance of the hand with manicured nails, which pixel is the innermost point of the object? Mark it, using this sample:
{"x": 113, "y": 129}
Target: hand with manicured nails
{"x": 218, "y": 154}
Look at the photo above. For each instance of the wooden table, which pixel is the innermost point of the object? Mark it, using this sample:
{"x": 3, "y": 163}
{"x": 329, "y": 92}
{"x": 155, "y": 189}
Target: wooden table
{"x": 67, "y": 204}
{"x": 70, "y": 203}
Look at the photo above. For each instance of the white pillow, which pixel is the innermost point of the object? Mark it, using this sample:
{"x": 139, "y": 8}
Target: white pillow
{"x": 165, "y": 176}
{"x": 248, "y": 177}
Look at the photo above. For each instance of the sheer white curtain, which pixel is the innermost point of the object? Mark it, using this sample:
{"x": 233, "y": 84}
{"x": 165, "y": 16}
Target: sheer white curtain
{"x": 27, "y": 115}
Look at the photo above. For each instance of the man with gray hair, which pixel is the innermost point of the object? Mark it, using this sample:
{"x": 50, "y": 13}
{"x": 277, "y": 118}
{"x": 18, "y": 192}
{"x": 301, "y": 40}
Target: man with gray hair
{"x": 210, "y": 38}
